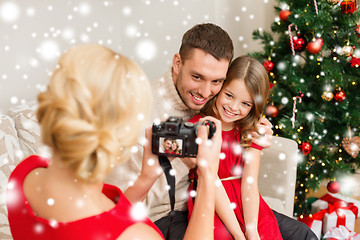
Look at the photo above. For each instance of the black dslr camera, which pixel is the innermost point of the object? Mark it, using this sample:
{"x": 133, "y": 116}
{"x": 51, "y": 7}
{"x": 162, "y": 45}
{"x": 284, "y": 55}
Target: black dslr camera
{"x": 176, "y": 138}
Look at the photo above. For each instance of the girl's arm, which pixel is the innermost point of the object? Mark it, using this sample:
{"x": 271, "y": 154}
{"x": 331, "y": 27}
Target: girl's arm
{"x": 226, "y": 214}
{"x": 250, "y": 192}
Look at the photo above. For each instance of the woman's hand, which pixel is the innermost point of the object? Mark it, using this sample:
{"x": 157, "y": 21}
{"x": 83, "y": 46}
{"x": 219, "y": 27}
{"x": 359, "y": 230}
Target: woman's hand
{"x": 150, "y": 164}
{"x": 208, "y": 156}
{"x": 150, "y": 172}
{"x": 264, "y": 137}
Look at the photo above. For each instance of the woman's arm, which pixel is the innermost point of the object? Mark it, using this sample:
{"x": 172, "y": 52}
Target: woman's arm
{"x": 150, "y": 172}
{"x": 226, "y": 213}
{"x": 250, "y": 192}
{"x": 201, "y": 224}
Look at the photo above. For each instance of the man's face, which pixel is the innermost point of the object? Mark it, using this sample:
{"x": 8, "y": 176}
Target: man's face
{"x": 167, "y": 144}
{"x": 199, "y": 78}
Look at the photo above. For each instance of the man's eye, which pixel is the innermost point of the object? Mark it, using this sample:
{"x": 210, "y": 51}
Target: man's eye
{"x": 196, "y": 77}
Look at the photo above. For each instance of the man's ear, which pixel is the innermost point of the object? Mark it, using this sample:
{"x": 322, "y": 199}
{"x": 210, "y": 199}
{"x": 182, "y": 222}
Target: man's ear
{"x": 176, "y": 63}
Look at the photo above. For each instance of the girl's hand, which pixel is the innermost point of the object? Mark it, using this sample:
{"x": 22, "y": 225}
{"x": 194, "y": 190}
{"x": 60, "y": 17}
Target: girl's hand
{"x": 265, "y": 137}
{"x": 240, "y": 236}
{"x": 150, "y": 165}
{"x": 252, "y": 235}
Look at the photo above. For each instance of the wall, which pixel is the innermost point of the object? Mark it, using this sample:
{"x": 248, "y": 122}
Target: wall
{"x": 34, "y": 33}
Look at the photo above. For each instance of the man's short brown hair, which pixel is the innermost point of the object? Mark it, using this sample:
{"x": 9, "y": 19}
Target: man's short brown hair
{"x": 210, "y": 38}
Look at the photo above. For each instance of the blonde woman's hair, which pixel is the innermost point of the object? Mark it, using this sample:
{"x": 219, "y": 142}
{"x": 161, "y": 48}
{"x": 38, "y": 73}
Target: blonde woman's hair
{"x": 256, "y": 79}
{"x": 93, "y": 110}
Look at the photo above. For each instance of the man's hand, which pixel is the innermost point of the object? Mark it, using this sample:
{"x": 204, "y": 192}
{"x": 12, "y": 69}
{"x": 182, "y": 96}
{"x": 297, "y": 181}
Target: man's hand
{"x": 264, "y": 137}
{"x": 189, "y": 162}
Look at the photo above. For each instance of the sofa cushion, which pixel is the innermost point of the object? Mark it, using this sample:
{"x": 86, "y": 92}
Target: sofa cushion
{"x": 277, "y": 173}
{"x": 10, "y": 156}
{"x": 28, "y": 128}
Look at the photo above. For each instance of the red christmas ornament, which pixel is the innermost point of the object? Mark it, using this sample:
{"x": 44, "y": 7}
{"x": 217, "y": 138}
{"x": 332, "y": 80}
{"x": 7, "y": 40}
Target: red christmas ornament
{"x": 339, "y": 95}
{"x": 269, "y": 66}
{"x": 305, "y": 148}
{"x": 284, "y": 14}
{"x": 355, "y": 62}
{"x": 357, "y": 30}
{"x": 300, "y": 94}
{"x": 314, "y": 47}
{"x": 271, "y": 111}
{"x": 299, "y": 43}
{"x": 333, "y": 187}
{"x": 348, "y": 6}
{"x": 271, "y": 85}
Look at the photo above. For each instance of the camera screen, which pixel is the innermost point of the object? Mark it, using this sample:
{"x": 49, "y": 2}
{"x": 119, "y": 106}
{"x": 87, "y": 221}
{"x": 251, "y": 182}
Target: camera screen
{"x": 171, "y": 146}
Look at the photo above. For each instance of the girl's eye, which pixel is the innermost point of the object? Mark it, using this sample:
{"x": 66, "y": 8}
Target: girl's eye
{"x": 247, "y": 104}
{"x": 228, "y": 95}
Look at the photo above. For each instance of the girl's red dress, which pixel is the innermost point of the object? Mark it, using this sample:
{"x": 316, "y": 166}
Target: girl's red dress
{"x": 232, "y": 165}
{"x": 24, "y": 224}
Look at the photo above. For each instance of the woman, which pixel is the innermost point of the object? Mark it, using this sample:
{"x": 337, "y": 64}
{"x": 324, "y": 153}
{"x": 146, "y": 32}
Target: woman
{"x": 91, "y": 115}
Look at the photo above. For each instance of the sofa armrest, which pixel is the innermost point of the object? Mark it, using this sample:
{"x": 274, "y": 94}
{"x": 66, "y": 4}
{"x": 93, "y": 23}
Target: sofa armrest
{"x": 277, "y": 174}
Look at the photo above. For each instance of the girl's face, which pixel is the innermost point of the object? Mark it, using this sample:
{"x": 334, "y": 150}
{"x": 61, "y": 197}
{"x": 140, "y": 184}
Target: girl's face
{"x": 173, "y": 146}
{"x": 233, "y": 103}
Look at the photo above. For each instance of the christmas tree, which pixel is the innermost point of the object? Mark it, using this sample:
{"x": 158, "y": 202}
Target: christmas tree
{"x": 313, "y": 57}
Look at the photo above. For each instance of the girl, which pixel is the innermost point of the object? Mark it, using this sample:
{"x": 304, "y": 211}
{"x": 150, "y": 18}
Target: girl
{"x": 239, "y": 106}
{"x": 175, "y": 147}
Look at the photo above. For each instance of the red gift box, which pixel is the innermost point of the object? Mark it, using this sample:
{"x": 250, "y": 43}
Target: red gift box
{"x": 338, "y": 214}
{"x": 341, "y": 233}
{"x": 314, "y": 221}
{"x": 324, "y": 201}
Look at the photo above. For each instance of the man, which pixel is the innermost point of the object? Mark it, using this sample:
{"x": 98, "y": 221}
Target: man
{"x": 166, "y": 145}
{"x": 197, "y": 74}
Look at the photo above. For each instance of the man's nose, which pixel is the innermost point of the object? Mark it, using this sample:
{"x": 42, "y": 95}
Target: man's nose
{"x": 205, "y": 90}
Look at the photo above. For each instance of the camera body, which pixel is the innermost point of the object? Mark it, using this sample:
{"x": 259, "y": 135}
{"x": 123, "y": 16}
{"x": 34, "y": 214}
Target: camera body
{"x": 173, "y": 137}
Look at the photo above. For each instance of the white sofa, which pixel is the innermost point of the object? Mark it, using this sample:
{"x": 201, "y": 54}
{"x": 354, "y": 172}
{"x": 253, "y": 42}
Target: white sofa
{"x": 20, "y": 137}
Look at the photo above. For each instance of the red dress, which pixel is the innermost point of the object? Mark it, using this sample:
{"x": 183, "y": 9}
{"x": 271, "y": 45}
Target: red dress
{"x": 230, "y": 166}
{"x": 24, "y": 224}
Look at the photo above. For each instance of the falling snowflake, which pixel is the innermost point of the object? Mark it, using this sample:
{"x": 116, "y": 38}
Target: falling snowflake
{"x": 9, "y": 12}
{"x": 146, "y": 50}
{"x": 138, "y": 211}
{"x": 49, "y": 50}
